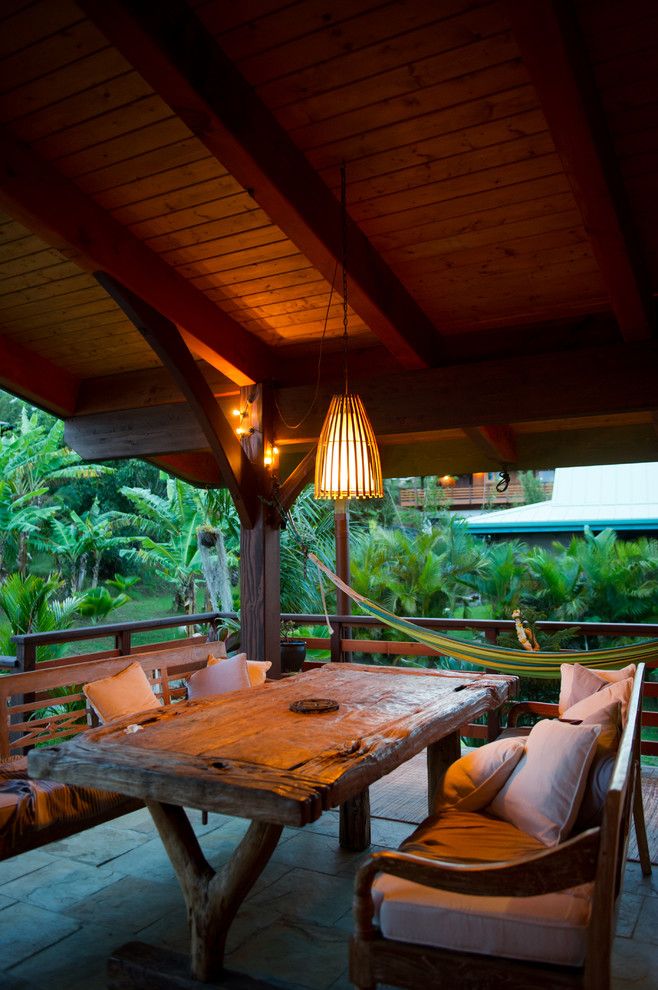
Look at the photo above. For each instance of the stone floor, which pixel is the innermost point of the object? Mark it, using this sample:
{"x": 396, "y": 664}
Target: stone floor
{"x": 65, "y": 907}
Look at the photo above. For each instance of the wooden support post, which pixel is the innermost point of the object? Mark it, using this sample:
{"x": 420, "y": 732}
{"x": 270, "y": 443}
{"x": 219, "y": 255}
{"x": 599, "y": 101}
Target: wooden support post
{"x": 440, "y": 755}
{"x": 260, "y": 566}
{"x": 342, "y": 538}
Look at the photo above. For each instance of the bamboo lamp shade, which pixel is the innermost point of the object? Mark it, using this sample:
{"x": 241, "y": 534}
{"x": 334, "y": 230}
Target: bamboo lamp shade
{"x": 347, "y": 464}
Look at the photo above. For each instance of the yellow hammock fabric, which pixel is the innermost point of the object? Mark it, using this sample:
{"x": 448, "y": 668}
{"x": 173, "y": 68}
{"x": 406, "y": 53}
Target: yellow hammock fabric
{"x": 497, "y": 657}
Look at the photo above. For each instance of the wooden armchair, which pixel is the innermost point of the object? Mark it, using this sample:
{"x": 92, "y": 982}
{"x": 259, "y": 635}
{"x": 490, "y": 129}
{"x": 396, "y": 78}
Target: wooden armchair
{"x": 594, "y": 857}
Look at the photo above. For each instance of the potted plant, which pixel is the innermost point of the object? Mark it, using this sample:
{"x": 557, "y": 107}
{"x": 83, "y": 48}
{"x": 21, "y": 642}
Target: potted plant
{"x": 293, "y": 651}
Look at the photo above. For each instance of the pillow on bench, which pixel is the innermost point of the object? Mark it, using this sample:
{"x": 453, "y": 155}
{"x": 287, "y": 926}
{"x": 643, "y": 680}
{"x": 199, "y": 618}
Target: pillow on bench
{"x": 577, "y": 682}
{"x": 473, "y": 781}
{"x": 257, "y": 669}
{"x": 125, "y": 693}
{"x": 219, "y": 678}
{"x": 544, "y": 792}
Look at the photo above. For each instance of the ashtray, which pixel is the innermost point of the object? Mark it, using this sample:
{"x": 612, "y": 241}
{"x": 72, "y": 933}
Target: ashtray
{"x": 314, "y": 706}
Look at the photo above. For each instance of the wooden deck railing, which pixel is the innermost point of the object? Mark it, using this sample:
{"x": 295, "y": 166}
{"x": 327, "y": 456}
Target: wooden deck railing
{"x": 342, "y": 645}
{"x": 471, "y": 496}
{"x": 339, "y": 645}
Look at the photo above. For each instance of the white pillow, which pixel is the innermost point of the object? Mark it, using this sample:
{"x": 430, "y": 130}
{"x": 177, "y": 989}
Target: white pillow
{"x": 567, "y": 695}
{"x": 221, "y": 678}
{"x": 257, "y": 669}
{"x": 125, "y": 693}
{"x": 543, "y": 795}
{"x": 475, "y": 779}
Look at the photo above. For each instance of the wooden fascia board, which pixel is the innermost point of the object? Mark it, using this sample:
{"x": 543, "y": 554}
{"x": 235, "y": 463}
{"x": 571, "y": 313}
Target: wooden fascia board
{"x": 554, "y": 52}
{"x": 170, "y": 47}
{"x": 55, "y": 209}
{"x": 36, "y": 379}
{"x": 164, "y": 338}
{"x": 495, "y": 440}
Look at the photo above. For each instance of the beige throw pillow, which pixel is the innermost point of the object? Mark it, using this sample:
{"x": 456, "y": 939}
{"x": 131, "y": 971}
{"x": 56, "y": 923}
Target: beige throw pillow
{"x": 257, "y": 669}
{"x": 125, "y": 693}
{"x": 473, "y": 781}
{"x": 569, "y": 697}
{"x": 543, "y": 795}
{"x": 617, "y": 693}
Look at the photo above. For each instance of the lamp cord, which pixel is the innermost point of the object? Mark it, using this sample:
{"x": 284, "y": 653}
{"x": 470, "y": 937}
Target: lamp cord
{"x": 295, "y": 426}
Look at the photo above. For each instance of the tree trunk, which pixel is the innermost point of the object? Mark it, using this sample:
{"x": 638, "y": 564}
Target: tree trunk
{"x": 96, "y": 570}
{"x": 215, "y": 568}
{"x": 82, "y": 573}
{"x": 22, "y": 554}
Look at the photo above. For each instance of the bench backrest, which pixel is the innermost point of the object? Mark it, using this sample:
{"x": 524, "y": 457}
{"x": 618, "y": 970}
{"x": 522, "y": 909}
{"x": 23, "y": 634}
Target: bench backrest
{"x": 48, "y": 705}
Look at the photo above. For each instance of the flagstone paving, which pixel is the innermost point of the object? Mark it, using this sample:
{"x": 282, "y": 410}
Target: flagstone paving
{"x": 65, "y": 907}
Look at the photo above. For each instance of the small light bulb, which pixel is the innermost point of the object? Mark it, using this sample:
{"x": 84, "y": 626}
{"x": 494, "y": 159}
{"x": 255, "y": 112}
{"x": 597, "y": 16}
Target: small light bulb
{"x": 235, "y": 412}
{"x": 275, "y": 450}
{"x": 239, "y": 432}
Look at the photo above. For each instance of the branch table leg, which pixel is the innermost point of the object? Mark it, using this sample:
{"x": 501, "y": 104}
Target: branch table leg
{"x": 355, "y": 822}
{"x": 440, "y": 755}
{"x": 212, "y": 899}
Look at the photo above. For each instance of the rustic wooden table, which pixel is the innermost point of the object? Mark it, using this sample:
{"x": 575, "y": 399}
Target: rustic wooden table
{"x": 247, "y": 754}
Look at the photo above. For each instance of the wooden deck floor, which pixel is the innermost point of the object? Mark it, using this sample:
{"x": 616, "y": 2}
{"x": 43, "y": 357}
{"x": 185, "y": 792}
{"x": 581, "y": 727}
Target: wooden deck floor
{"x": 64, "y": 908}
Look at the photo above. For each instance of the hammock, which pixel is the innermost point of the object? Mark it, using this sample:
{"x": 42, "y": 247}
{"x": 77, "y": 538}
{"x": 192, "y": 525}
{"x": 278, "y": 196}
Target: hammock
{"x": 499, "y": 658}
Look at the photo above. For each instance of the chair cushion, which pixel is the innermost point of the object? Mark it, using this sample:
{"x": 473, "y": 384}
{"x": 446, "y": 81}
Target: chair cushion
{"x": 33, "y": 805}
{"x": 257, "y": 669}
{"x": 125, "y": 693}
{"x": 547, "y": 928}
{"x": 567, "y": 696}
{"x": 550, "y": 928}
{"x": 473, "y": 781}
{"x": 544, "y": 792}
{"x": 221, "y": 678}
{"x": 467, "y": 837}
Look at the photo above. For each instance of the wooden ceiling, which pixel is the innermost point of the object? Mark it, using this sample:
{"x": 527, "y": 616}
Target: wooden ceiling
{"x": 502, "y": 246}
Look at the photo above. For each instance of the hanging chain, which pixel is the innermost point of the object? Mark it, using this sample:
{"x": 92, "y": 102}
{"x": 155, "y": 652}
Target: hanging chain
{"x": 343, "y": 235}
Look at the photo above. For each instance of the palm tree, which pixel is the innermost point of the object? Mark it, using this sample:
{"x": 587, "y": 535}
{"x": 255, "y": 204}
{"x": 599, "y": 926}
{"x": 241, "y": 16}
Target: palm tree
{"x": 170, "y": 544}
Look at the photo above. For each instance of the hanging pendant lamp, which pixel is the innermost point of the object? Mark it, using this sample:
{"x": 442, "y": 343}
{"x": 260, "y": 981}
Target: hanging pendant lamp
{"x": 347, "y": 464}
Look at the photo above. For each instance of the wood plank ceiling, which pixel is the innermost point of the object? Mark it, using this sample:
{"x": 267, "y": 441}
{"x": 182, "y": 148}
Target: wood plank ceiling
{"x": 502, "y": 234}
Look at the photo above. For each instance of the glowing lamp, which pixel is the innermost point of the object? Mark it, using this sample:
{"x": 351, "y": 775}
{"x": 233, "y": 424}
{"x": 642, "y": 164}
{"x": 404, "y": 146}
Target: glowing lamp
{"x": 347, "y": 463}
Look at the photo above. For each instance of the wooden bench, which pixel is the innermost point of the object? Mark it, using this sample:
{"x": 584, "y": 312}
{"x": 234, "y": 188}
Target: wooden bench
{"x": 47, "y": 705}
{"x": 594, "y": 856}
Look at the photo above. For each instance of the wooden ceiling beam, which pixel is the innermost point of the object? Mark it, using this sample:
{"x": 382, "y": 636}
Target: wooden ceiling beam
{"x": 171, "y": 48}
{"x": 409, "y": 406}
{"x": 36, "y": 379}
{"x": 497, "y": 441}
{"x": 52, "y": 206}
{"x": 164, "y": 338}
{"x": 198, "y": 467}
{"x": 554, "y": 52}
{"x": 298, "y": 478}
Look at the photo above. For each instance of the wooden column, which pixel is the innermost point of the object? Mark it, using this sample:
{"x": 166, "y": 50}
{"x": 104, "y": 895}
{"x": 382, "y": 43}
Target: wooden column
{"x": 342, "y": 539}
{"x": 260, "y": 577}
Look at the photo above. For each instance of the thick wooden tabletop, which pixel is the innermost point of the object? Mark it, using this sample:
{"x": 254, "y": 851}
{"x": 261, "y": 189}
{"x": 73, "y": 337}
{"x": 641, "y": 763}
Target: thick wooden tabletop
{"x": 247, "y": 754}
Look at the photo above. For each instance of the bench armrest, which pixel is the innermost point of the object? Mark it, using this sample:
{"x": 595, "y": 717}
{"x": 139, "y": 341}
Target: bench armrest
{"x": 571, "y": 863}
{"x": 520, "y": 708}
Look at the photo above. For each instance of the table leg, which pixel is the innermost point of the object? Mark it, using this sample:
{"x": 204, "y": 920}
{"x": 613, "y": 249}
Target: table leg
{"x": 355, "y": 822}
{"x": 212, "y": 899}
{"x": 440, "y": 755}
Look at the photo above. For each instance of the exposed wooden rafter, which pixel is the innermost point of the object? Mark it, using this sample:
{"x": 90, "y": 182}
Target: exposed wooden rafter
{"x": 34, "y": 378}
{"x": 197, "y": 466}
{"x": 34, "y": 192}
{"x": 497, "y": 441}
{"x": 171, "y": 49}
{"x": 162, "y": 335}
{"x": 549, "y": 37}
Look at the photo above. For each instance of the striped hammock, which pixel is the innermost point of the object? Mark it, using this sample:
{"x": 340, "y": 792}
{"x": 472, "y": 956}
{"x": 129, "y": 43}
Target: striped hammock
{"x": 498, "y": 658}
